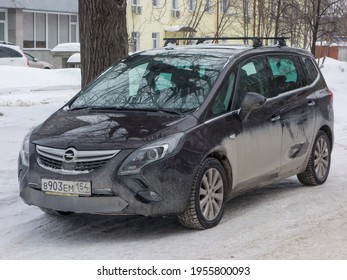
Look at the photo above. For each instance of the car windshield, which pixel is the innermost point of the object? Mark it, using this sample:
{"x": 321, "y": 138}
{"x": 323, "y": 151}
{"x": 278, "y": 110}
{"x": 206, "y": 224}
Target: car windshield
{"x": 168, "y": 80}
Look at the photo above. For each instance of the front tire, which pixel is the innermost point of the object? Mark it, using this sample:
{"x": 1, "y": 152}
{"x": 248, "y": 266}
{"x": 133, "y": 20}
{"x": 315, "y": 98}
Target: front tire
{"x": 208, "y": 196}
{"x": 318, "y": 166}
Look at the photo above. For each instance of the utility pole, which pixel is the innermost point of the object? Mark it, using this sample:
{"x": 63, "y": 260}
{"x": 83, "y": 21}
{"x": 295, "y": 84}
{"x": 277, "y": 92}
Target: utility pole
{"x": 254, "y": 16}
{"x": 217, "y": 21}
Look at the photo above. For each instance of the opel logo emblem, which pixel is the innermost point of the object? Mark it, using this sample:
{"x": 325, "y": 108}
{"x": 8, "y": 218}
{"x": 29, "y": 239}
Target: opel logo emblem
{"x": 70, "y": 155}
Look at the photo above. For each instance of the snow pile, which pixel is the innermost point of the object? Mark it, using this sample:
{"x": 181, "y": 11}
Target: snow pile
{"x": 335, "y": 73}
{"x": 25, "y": 86}
{"x": 75, "y": 58}
{"x": 67, "y": 47}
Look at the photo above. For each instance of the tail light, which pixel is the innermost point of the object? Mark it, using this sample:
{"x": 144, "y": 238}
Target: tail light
{"x": 331, "y": 95}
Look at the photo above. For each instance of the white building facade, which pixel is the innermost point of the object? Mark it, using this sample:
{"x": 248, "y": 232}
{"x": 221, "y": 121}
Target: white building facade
{"x": 37, "y": 26}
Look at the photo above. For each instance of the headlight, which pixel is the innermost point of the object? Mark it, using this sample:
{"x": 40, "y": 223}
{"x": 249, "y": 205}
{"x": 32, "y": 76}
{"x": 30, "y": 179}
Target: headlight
{"x": 24, "y": 151}
{"x": 151, "y": 153}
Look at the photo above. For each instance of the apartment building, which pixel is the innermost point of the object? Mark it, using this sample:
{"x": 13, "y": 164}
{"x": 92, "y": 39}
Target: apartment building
{"x": 37, "y": 26}
{"x": 149, "y": 21}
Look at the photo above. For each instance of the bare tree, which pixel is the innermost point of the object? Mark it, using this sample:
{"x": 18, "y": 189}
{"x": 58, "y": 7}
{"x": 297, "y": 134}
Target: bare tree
{"x": 318, "y": 19}
{"x": 103, "y": 35}
{"x": 195, "y": 17}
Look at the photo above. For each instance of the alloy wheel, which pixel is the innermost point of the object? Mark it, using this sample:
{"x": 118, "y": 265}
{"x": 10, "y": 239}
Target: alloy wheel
{"x": 211, "y": 194}
{"x": 321, "y": 158}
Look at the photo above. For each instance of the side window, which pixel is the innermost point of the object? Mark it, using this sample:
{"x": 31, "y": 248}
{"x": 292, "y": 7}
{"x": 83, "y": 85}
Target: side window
{"x": 3, "y": 52}
{"x": 309, "y": 69}
{"x": 222, "y": 102}
{"x": 253, "y": 78}
{"x": 29, "y": 57}
{"x": 284, "y": 74}
{"x": 7, "y": 52}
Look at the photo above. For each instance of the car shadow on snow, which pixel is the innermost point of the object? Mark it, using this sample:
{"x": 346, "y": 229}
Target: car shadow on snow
{"x": 87, "y": 228}
{"x": 257, "y": 197}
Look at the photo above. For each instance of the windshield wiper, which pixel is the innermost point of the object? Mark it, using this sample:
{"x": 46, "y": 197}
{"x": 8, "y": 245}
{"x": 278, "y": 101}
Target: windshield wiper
{"x": 78, "y": 108}
{"x": 94, "y": 108}
{"x": 153, "y": 110}
{"x": 169, "y": 111}
{"x": 126, "y": 108}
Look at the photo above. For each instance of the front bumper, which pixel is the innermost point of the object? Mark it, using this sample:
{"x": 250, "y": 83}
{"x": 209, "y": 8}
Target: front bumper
{"x": 97, "y": 205}
{"x": 159, "y": 190}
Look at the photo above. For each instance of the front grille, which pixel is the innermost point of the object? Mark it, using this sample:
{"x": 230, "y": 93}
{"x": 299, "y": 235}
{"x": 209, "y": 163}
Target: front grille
{"x": 72, "y": 160}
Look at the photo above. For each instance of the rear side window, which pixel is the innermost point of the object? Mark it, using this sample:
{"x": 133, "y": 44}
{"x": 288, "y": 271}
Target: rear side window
{"x": 7, "y": 52}
{"x": 284, "y": 74}
{"x": 310, "y": 70}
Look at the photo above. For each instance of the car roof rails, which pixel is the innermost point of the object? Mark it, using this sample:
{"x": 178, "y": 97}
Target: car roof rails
{"x": 257, "y": 41}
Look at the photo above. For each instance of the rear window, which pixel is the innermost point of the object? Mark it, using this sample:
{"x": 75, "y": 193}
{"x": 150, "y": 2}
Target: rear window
{"x": 310, "y": 70}
{"x": 284, "y": 74}
{"x": 7, "y": 52}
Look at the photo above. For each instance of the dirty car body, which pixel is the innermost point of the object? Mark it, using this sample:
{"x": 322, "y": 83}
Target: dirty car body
{"x": 180, "y": 131}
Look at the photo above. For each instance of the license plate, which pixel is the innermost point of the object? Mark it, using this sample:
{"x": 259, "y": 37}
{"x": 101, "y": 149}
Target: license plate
{"x": 66, "y": 187}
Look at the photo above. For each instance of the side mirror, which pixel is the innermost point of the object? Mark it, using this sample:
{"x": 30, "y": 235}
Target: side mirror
{"x": 35, "y": 59}
{"x": 251, "y": 101}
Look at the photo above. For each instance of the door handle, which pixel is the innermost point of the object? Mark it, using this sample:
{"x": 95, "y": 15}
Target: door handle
{"x": 311, "y": 103}
{"x": 275, "y": 118}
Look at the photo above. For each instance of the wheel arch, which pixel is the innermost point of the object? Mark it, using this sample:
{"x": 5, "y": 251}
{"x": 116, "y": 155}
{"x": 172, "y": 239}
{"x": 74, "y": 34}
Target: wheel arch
{"x": 329, "y": 133}
{"x": 221, "y": 157}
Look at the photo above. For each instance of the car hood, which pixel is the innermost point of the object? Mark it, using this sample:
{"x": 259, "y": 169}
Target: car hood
{"x": 89, "y": 129}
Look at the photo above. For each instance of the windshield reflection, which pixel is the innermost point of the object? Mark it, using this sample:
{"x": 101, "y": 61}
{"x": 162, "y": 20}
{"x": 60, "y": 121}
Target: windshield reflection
{"x": 172, "y": 82}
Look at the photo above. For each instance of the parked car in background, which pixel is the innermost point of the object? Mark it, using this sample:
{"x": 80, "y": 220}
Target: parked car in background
{"x": 36, "y": 63}
{"x": 180, "y": 131}
{"x": 12, "y": 55}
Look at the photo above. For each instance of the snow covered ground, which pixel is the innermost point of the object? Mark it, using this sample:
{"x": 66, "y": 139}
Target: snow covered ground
{"x": 283, "y": 221}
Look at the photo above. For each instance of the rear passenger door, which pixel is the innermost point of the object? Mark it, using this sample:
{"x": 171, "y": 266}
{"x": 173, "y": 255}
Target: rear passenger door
{"x": 296, "y": 113}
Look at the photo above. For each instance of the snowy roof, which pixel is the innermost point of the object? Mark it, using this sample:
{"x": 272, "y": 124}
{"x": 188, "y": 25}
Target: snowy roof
{"x": 331, "y": 44}
{"x": 75, "y": 58}
{"x": 179, "y": 28}
{"x": 67, "y": 47}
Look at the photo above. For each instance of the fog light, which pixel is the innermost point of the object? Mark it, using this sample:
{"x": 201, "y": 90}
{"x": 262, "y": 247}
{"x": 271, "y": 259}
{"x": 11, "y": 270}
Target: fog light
{"x": 148, "y": 196}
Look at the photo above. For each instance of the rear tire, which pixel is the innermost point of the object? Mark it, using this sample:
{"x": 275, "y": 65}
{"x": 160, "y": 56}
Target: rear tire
{"x": 318, "y": 166}
{"x": 208, "y": 196}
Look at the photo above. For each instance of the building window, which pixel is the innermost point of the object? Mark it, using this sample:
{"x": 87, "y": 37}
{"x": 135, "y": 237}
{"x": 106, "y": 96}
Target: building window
{"x": 46, "y": 30}
{"x": 73, "y": 28}
{"x": 192, "y": 4}
{"x": 135, "y": 2}
{"x": 29, "y": 40}
{"x": 63, "y": 28}
{"x": 3, "y": 25}
{"x": 40, "y": 25}
{"x": 53, "y": 36}
{"x": 155, "y": 3}
{"x": 136, "y": 37}
{"x": 175, "y": 4}
{"x": 155, "y": 39}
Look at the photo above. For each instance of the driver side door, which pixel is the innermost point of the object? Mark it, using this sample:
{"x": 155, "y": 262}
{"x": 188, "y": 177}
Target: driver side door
{"x": 259, "y": 143}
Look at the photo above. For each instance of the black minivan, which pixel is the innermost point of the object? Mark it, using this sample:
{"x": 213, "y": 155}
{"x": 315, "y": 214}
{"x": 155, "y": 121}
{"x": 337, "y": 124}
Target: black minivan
{"x": 180, "y": 131}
